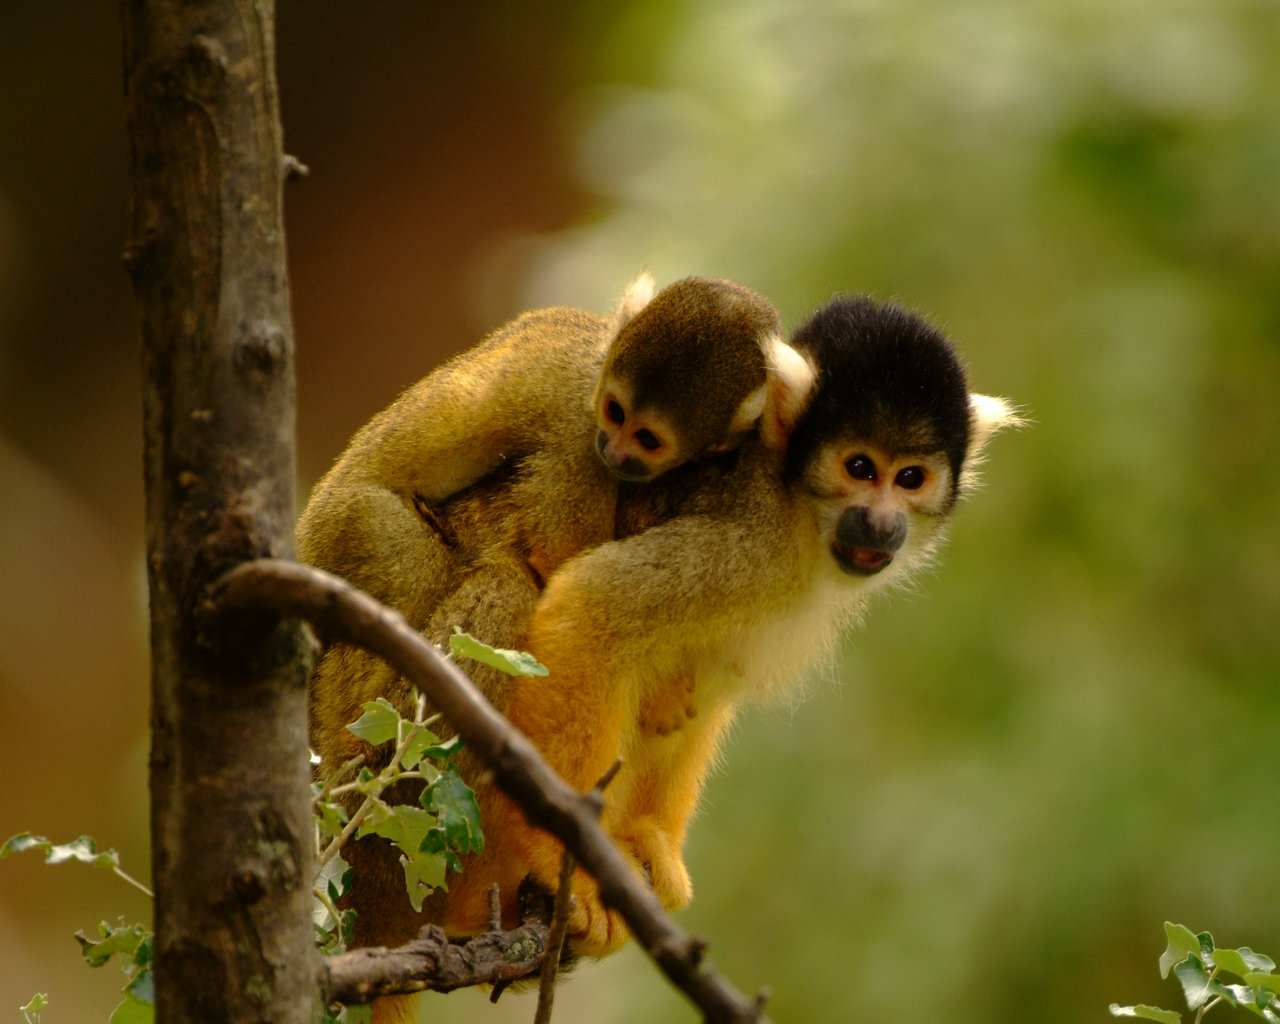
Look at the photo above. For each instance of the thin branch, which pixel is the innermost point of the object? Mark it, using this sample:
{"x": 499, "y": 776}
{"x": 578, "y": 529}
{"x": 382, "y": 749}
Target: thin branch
{"x": 141, "y": 886}
{"x": 432, "y": 962}
{"x": 273, "y": 587}
{"x": 563, "y": 904}
{"x": 555, "y": 941}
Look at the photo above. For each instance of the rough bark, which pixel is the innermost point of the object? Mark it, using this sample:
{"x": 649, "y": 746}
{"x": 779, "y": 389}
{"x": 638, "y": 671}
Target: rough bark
{"x": 231, "y": 838}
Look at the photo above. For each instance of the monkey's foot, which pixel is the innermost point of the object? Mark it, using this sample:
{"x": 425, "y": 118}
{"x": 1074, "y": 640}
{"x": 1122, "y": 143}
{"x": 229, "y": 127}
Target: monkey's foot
{"x": 595, "y": 930}
{"x": 659, "y": 854}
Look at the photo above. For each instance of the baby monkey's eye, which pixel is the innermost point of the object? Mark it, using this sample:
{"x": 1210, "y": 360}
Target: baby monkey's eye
{"x": 648, "y": 440}
{"x": 860, "y": 467}
{"x": 910, "y": 479}
{"x": 614, "y": 412}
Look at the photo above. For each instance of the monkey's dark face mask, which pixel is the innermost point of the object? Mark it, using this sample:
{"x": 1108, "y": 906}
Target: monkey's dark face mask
{"x": 865, "y": 544}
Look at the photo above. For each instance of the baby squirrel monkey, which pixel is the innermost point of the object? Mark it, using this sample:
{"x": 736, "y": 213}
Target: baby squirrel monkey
{"x": 458, "y": 501}
{"x": 652, "y": 642}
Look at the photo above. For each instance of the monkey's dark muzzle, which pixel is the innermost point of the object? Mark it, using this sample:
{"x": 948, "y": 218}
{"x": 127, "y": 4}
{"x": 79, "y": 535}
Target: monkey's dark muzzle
{"x": 863, "y": 545}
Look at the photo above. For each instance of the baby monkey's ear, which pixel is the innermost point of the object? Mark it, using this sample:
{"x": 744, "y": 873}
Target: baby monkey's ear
{"x": 789, "y": 383}
{"x": 639, "y": 294}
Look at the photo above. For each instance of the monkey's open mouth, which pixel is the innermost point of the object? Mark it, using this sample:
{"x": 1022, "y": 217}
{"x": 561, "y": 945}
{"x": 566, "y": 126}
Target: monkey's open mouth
{"x": 860, "y": 561}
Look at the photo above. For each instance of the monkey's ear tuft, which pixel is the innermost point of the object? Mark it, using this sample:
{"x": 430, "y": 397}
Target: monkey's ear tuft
{"x": 790, "y": 378}
{"x": 987, "y": 416}
{"x": 639, "y": 294}
{"x": 749, "y": 410}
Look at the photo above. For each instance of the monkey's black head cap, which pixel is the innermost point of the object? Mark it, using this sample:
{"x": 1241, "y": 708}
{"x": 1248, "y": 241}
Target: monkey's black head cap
{"x": 886, "y": 377}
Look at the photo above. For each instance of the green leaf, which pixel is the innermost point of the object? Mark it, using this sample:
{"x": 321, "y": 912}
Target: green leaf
{"x": 142, "y": 958}
{"x": 1196, "y": 984}
{"x": 1235, "y": 995}
{"x": 454, "y": 805}
{"x": 516, "y": 663}
{"x": 379, "y": 724}
{"x": 444, "y": 751}
{"x": 133, "y": 1011}
{"x": 17, "y": 844}
{"x": 1182, "y": 944}
{"x": 1147, "y": 1013}
{"x": 447, "y": 749}
{"x": 83, "y": 849}
{"x": 31, "y": 1012}
{"x": 1231, "y": 961}
{"x": 124, "y": 940}
{"x": 1257, "y": 961}
{"x": 403, "y": 824}
{"x": 332, "y": 817}
{"x": 422, "y": 875}
{"x": 1263, "y": 980}
{"x": 331, "y": 879}
{"x": 420, "y": 745}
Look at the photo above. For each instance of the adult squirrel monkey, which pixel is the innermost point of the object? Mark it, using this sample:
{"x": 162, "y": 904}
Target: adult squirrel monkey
{"x": 652, "y": 642}
{"x": 458, "y": 501}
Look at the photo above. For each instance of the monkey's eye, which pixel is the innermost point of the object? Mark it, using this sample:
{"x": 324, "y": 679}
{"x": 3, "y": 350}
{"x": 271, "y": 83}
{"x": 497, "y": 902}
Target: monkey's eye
{"x": 648, "y": 440}
{"x": 614, "y": 412}
{"x": 860, "y": 467}
{"x": 910, "y": 479}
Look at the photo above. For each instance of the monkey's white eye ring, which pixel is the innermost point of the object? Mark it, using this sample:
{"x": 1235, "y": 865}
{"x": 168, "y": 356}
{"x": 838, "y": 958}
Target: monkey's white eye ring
{"x": 860, "y": 467}
{"x": 910, "y": 479}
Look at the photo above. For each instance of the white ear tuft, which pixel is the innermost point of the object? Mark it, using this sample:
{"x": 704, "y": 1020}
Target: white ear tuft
{"x": 987, "y": 416}
{"x": 749, "y": 410}
{"x": 790, "y": 382}
{"x": 639, "y": 294}
{"x": 786, "y": 364}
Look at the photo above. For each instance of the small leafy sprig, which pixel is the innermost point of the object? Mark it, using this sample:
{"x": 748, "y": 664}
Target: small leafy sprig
{"x": 84, "y": 850}
{"x": 430, "y": 837}
{"x": 1200, "y": 966}
{"x": 31, "y": 1012}
{"x": 131, "y": 943}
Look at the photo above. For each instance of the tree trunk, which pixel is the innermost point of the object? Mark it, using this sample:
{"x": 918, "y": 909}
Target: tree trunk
{"x": 231, "y": 834}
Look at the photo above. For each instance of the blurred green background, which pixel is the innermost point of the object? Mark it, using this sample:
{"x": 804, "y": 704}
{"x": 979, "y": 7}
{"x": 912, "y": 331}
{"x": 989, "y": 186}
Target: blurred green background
{"x": 1063, "y": 736}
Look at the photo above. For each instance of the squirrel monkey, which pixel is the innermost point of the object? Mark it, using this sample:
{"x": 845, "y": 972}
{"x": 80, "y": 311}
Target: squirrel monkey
{"x": 652, "y": 642}
{"x": 458, "y": 501}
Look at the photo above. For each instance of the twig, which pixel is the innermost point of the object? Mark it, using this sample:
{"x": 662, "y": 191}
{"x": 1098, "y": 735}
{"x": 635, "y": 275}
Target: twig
{"x": 276, "y": 588}
{"x": 431, "y": 961}
{"x": 555, "y": 941}
{"x": 140, "y": 886}
{"x": 495, "y": 908}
